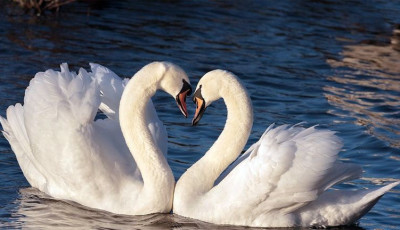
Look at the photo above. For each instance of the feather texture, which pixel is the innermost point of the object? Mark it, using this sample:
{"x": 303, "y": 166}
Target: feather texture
{"x": 282, "y": 180}
{"x": 66, "y": 153}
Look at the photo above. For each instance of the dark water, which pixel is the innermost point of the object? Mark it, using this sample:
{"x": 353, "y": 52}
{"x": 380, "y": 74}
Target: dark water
{"x": 324, "y": 62}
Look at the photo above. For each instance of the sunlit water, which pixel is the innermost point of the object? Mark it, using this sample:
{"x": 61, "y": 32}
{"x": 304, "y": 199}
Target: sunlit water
{"x": 336, "y": 64}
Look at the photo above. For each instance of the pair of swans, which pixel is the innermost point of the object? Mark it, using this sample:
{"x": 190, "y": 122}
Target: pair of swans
{"x": 117, "y": 164}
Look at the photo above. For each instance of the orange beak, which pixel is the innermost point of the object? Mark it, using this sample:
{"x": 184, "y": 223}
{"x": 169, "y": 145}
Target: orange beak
{"x": 181, "y": 101}
{"x": 181, "y": 97}
{"x": 200, "y": 108}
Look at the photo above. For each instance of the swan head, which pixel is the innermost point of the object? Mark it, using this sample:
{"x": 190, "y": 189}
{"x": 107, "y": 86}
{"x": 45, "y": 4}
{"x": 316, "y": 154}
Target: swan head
{"x": 175, "y": 82}
{"x": 210, "y": 88}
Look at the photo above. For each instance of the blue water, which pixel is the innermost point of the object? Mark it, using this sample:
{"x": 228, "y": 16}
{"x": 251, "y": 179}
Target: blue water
{"x": 330, "y": 63}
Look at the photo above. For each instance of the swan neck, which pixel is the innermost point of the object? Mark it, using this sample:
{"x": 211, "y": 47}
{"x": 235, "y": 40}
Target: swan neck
{"x": 153, "y": 166}
{"x": 233, "y": 138}
{"x": 200, "y": 178}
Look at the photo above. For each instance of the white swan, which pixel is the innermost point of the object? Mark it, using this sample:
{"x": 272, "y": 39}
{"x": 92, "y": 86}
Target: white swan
{"x": 65, "y": 153}
{"x": 281, "y": 181}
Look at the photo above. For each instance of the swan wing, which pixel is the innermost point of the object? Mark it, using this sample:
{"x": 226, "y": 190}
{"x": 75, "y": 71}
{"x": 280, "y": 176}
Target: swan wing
{"x": 58, "y": 109}
{"x": 286, "y": 169}
{"x": 111, "y": 88}
{"x": 74, "y": 154}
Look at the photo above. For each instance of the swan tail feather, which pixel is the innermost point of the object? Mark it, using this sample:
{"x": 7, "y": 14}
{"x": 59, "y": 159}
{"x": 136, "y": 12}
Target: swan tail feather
{"x": 342, "y": 207}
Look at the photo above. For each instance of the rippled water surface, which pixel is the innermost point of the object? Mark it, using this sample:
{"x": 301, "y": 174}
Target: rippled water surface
{"x": 336, "y": 64}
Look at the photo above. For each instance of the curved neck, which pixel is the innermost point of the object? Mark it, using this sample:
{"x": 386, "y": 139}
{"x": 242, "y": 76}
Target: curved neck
{"x": 200, "y": 178}
{"x": 153, "y": 166}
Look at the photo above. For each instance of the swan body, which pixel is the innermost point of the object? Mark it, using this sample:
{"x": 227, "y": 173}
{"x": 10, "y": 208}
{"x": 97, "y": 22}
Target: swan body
{"x": 114, "y": 164}
{"x": 280, "y": 181}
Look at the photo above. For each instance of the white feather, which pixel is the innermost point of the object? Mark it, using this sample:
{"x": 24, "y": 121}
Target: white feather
{"x": 282, "y": 180}
{"x": 65, "y": 153}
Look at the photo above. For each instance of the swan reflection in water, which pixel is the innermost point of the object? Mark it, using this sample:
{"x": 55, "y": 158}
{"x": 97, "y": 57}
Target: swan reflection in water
{"x": 36, "y": 210}
{"x": 369, "y": 89}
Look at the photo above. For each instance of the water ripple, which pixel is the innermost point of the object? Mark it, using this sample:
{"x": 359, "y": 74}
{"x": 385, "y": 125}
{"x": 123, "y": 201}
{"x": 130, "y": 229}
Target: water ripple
{"x": 330, "y": 63}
